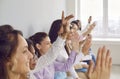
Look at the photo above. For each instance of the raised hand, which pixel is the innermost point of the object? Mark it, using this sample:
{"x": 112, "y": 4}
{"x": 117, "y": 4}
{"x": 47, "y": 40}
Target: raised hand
{"x": 65, "y": 24}
{"x": 103, "y": 65}
{"x": 91, "y": 27}
{"x": 87, "y": 45}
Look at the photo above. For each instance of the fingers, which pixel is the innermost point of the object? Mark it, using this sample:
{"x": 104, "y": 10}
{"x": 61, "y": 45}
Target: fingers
{"x": 98, "y": 60}
{"x": 103, "y": 60}
{"x": 107, "y": 58}
{"x": 92, "y": 25}
{"x": 67, "y": 18}
{"x": 108, "y": 62}
{"x": 90, "y": 69}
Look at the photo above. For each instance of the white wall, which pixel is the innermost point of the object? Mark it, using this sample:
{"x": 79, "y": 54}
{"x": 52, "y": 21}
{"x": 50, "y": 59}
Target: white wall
{"x": 113, "y": 45}
{"x": 30, "y": 16}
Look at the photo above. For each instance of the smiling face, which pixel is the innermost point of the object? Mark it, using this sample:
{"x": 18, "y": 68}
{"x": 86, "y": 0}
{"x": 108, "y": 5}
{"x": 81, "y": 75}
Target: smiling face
{"x": 20, "y": 60}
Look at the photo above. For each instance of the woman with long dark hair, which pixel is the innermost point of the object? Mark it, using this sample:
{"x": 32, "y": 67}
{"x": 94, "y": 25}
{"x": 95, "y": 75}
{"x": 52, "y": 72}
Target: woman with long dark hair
{"x": 14, "y": 55}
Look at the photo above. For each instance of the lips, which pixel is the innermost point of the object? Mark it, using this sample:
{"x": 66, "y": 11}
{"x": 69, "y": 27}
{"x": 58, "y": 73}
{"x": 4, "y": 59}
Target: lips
{"x": 33, "y": 64}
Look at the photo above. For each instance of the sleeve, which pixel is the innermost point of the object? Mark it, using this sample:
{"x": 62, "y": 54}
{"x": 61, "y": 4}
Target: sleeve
{"x": 67, "y": 65}
{"x": 79, "y": 58}
{"x": 50, "y": 56}
{"x": 36, "y": 75}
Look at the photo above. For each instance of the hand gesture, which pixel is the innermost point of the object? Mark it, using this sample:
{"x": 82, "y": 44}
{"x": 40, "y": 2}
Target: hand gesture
{"x": 91, "y": 27}
{"x": 65, "y": 24}
{"x": 103, "y": 65}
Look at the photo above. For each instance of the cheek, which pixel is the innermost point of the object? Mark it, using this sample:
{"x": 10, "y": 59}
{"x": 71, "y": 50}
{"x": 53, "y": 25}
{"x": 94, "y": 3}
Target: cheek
{"x": 14, "y": 65}
{"x": 47, "y": 48}
{"x": 21, "y": 65}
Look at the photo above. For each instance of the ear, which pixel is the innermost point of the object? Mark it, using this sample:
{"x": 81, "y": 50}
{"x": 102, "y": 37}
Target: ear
{"x": 38, "y": 46}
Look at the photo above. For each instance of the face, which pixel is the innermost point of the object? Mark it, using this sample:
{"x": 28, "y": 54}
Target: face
{"x": 33, "y": 60}
{"x": 44, "y": 45}
{"x": 74, "y": 28}
{"x": 20, "y": 60}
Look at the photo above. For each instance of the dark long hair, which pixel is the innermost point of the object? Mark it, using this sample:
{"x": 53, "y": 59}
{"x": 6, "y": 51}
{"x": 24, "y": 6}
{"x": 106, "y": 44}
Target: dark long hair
{"x": 30, "y": 44}
{"x": 37, "y": 38}
{"x": 53, "y": 32}
{"x": 6, "y": 28}
{"x": 8, "y": 46}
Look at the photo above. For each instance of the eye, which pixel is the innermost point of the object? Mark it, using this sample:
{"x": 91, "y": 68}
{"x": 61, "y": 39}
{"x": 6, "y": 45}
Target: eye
{"x": 25, "y": 51}
{"x": 48, "y": 43}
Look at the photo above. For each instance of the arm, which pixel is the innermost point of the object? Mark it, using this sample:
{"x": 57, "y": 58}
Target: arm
{"x": 51, "y": 55}
{"x": 67, "y": 65}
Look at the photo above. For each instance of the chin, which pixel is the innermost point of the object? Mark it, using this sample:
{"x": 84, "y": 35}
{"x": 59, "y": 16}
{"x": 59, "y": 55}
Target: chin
{"x": 27, "y": 70}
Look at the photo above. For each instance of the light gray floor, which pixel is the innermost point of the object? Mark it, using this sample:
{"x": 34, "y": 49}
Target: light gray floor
{"x": 115, "y": 73}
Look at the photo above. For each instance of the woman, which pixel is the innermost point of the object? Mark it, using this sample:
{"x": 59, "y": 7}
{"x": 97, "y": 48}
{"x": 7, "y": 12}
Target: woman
{"x": 54, "y": 32}
{"x": 43, "y": 44}
{"x": 33, "y": 60}
{"x": 14, "y": 55}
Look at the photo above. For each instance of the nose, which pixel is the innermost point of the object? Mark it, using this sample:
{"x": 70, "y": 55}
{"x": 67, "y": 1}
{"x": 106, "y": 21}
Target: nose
{"x": 30, "y": 56}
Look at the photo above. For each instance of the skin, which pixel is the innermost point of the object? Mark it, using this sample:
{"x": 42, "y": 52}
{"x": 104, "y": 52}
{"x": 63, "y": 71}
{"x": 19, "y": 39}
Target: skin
{"x": 103, "y": 65}
{"x": 19, "y": 63}
{"x": 44, "y": 45}
{"x": 75, "y": 27}
{"x": 33, "y": 60}
{"x": 87, "y": 44}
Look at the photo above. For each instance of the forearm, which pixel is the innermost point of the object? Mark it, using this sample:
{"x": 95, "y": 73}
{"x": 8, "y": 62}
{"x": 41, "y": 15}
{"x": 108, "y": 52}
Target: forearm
{"x": 68, "y": 64}
{"x": 51, "y": 55}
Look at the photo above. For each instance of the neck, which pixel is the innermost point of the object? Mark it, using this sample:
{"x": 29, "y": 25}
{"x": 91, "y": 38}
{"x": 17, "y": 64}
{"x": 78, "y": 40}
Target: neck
{"x": 41, "y": 52}
{"x": 23, "y": 76}
{"x": 13, "y": 75}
